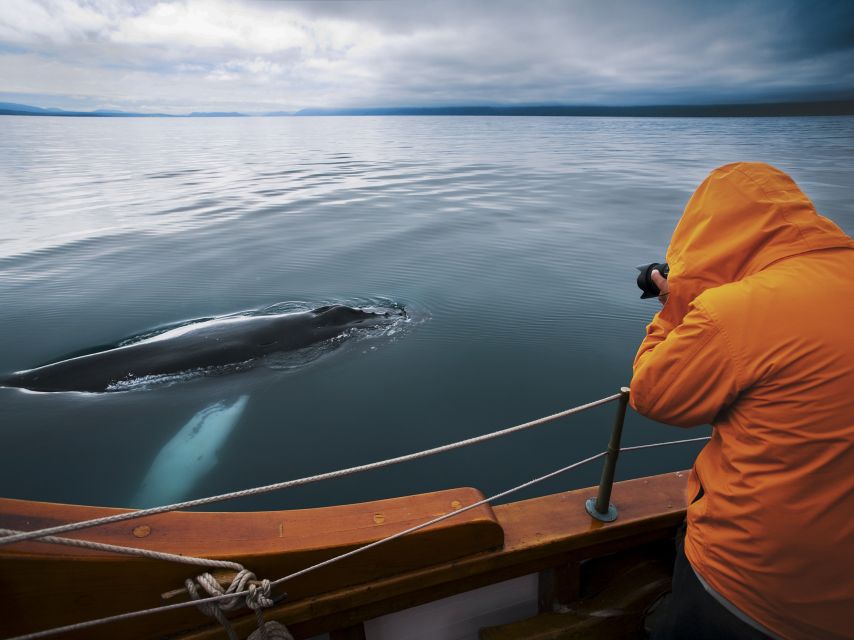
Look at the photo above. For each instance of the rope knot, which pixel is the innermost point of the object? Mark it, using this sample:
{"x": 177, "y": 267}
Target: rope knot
{"x": 259, "y": 595}
{"x": 213, "y": 588}
{"x": 257, "y": 598}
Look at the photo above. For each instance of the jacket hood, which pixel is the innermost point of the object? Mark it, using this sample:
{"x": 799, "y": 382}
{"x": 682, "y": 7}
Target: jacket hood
{"x": 743, "y": 217}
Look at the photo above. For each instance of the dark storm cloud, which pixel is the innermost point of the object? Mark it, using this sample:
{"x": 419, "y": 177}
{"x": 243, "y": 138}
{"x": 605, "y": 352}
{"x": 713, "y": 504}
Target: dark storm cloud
{"x": 261, "y": 55}
{"x": 818, "y": 28}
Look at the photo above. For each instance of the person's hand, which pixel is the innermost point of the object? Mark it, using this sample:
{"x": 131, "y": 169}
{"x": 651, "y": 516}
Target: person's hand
{"x": 662, "y": 284}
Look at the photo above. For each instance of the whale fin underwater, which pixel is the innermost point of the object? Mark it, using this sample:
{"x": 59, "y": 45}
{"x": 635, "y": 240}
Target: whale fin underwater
{"x": 237, "y": 341}
{"x": 189, "y": 456}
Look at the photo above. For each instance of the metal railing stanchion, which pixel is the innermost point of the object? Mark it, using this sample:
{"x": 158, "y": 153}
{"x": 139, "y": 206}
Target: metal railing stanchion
{"x": 600, "y": 507}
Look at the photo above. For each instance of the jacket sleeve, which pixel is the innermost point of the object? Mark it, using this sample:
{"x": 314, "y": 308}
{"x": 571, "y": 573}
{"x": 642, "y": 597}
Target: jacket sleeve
{"x": 684, "y": 373}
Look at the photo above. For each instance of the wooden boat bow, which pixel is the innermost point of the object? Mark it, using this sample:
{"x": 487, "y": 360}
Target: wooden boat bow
{"x": 48, "y": 585}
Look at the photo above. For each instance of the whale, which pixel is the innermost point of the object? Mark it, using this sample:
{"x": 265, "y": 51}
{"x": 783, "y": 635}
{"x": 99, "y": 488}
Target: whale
{"x": 205, "y": 345}
{"x": 189, "y": 456}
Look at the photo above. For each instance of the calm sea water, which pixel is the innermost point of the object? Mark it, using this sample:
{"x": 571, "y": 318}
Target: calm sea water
{"x": 512, "y": 242}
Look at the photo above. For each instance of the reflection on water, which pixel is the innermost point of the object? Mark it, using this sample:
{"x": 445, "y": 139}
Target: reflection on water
{"x": 516, "y": 237}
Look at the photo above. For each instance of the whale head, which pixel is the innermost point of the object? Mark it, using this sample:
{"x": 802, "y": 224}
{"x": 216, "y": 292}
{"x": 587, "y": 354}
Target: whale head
{"x": 339, "y": 315}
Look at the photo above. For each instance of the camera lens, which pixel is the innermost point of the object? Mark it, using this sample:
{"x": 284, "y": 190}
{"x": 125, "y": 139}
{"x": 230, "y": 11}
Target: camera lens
{"x": 645, "y": 283}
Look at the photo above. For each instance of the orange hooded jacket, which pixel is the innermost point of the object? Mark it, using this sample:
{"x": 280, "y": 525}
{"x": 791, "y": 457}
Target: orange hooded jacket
{"x": 757, "y": 338}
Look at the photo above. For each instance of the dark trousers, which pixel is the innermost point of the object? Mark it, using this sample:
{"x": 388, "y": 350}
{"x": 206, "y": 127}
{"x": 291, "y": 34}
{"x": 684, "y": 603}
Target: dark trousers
{"x": 691, "y": 613}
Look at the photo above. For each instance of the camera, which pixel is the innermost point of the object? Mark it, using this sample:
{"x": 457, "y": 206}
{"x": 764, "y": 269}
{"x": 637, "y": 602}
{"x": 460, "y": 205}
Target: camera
{"x": 645, "y": 282}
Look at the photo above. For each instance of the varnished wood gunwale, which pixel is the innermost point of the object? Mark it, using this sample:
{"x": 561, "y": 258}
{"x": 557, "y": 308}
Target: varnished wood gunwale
{"x": 82, "y": 584}
{"x": 540, "y": 533}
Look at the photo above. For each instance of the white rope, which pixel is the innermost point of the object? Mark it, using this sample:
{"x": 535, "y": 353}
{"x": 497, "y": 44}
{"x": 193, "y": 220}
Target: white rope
{"x": 245, "y": 582}
{"x": 257, "y": 599}
{"x": 130, "y": 515}
{"x": 134, "y": 551}
{"x": 201, "y": 601}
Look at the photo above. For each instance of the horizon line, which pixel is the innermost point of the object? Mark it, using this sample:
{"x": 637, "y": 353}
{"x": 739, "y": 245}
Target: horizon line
{"x": 720, "y": 109}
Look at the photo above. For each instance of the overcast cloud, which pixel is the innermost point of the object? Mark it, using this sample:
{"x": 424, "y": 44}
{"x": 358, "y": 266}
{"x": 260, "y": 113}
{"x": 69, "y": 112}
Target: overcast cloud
{"x": 256, "y": 56}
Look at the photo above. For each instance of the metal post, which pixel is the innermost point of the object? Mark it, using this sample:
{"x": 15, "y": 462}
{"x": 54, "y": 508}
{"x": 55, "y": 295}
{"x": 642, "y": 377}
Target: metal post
{"x": 601, "y": 507}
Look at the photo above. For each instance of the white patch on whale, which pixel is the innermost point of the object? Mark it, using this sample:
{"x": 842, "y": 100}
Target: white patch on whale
{"x": 189, "y": 455}
{"x": 195, "y": 326}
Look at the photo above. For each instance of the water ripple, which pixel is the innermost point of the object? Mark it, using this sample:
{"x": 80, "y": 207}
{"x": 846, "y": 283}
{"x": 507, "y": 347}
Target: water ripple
{"x": 516, "y": 237}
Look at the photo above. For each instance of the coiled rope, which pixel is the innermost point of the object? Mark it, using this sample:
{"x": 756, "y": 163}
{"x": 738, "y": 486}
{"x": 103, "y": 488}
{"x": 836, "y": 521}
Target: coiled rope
{"x": 257, "y": 599}
{"x": 245, "y": 592}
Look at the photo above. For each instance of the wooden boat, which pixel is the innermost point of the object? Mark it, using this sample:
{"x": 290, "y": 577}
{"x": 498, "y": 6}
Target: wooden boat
{"x": 568, "y": 574}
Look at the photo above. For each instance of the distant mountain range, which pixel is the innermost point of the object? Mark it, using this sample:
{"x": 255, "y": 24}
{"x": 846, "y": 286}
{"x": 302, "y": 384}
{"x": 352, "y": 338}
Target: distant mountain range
{"x": 14, "y": 109}
{"x": 824, "y": 108}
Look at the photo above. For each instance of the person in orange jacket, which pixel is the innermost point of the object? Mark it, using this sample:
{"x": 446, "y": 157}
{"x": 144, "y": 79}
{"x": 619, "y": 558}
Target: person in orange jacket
{"x": 756, "y": 338}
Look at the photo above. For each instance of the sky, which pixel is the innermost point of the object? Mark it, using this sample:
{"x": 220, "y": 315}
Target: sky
{"x": 256, "y": 56}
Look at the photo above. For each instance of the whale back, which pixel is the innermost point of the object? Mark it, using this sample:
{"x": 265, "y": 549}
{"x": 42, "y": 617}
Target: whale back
{"x": 206, "y": 344}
